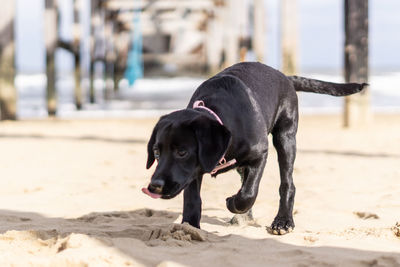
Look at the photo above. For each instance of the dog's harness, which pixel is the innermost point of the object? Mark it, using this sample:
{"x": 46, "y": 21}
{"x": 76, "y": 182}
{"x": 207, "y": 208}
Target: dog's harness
{"x": 222, "y": 164}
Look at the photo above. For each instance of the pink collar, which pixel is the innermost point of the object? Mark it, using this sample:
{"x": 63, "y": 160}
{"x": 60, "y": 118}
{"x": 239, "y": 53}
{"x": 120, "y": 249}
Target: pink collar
{"x": 222, "y": 164}
{"x": 200, "y": 104}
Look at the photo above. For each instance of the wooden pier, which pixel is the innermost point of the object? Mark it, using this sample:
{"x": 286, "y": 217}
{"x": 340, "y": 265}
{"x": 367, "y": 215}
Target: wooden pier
{"x": 176, "y": 37}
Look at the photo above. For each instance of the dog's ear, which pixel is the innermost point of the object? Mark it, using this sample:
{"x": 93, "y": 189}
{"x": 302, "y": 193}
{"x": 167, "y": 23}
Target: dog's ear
{"x": 213, "y": 140}
{"x": 150, "y": 152}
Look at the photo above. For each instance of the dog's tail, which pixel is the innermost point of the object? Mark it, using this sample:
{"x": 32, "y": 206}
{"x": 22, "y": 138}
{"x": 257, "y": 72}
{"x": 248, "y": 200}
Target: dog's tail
{"x": 321, "y": 87}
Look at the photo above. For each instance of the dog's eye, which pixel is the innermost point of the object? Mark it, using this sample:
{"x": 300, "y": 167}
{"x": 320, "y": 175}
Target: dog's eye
{"x": 156, "y": 153}
{"x": 181, "y": 153}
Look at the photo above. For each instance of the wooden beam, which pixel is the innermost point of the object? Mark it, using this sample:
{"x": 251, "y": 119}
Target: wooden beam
{"x": 215, "y": 41}
{"x": 51, "y": 37}
{"x": 232, "y": 32}
{"x": 259, "y": 29}
{"x": 184, "y": 59}
{"x": 98, "y": 52}
{"x": 8, "y": 94}
{"x": 94, "y": 23}
{"x": 159, "y": 5}
{"x": 110, "y": 59}
{"x": 289, "y": 36}
{"x": 121, "y": 46}
{"x": 85, "y": 47}
{"x": 170, "y": 15}
{"x": 168, "y": 26}
{"x": 76, "y": 47}
{"x": 357, "y": 110}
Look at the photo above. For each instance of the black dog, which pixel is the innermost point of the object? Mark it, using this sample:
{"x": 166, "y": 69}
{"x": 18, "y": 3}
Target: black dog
{"x": 229, "y": 117}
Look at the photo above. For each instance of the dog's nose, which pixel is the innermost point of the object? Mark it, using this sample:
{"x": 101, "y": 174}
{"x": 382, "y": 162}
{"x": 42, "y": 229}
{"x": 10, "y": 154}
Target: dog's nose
{"x": 156, "y": 186}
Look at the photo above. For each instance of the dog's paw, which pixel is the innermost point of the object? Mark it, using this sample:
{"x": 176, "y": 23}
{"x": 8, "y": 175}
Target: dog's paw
{"x": 236, "y": 205}
{"x": 281, "y": 226}
{"x": 230, "y": 204}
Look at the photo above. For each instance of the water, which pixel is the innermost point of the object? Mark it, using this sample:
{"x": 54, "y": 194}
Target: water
{"x": 385, "y": 94}
{"x": 155, "y": 96}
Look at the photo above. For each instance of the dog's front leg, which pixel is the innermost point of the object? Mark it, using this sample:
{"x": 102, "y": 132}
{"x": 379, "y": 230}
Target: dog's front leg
{"x": 244, "y": 217}
{"x": 245, "y": 198}
{"x": 192, "y": 203}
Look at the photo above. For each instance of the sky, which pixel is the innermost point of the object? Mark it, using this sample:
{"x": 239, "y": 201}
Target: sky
{"x": 321, "y": 34}
{"x": 30, "y": 53}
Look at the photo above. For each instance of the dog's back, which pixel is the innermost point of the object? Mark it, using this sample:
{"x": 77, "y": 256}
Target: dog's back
{"x": 273, "y": 91}
{"x": 263, "y": 80}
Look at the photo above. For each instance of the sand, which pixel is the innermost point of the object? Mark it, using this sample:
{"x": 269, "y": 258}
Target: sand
{"x": 70, "y": 195}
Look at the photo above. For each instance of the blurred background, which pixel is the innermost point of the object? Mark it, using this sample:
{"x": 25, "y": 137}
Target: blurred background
{"x": 123, "y": 58}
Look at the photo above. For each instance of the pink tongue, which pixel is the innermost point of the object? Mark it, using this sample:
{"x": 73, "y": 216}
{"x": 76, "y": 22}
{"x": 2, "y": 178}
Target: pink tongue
{"x": 147, "y": 192}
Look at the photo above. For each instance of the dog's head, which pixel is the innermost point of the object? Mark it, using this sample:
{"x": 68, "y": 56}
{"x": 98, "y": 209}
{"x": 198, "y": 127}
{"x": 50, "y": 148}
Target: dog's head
{"x": 186, "y": 144}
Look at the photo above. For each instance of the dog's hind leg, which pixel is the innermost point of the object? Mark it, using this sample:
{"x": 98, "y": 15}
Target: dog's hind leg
{"x": 284, "y": 139}
{"x": 192, "y": 203}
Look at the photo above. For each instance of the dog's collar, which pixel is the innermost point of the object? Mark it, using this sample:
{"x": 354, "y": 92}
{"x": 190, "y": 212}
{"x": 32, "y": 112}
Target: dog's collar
{"x": 222, "y": 164}
{"x": 200, "y": 104}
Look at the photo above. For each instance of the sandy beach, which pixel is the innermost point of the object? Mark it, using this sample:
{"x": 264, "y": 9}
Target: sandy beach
{"x": 70, "y": 195}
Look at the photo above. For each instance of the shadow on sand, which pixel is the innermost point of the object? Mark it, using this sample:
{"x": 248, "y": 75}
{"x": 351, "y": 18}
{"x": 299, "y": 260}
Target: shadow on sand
{"x": 138, "y": 235}
{"x": 73, "y": 138}
{"x": 348, "y": 153}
